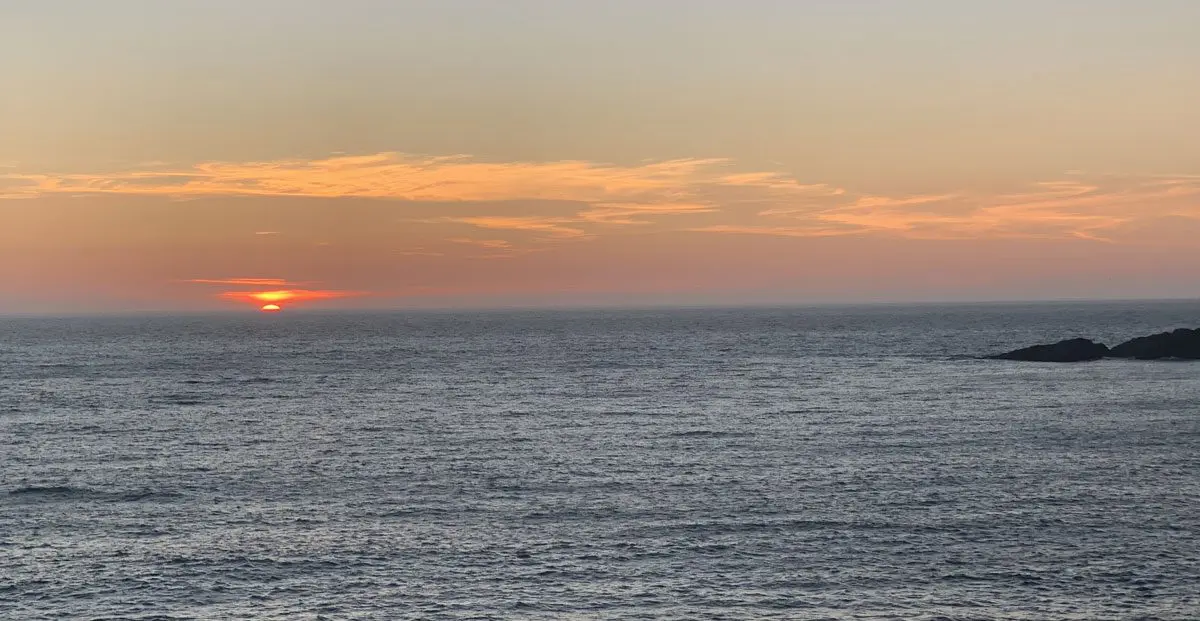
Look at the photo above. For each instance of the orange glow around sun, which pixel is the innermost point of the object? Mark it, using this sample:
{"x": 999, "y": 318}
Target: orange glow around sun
{"x": 271, "y": 301}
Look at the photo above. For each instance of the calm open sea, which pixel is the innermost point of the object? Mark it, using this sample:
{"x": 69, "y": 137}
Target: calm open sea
{"x": 804, "y": 463}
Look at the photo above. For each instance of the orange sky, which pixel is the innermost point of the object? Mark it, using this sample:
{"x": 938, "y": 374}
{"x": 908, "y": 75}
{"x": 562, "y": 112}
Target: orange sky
{"x": 465, "y": 155}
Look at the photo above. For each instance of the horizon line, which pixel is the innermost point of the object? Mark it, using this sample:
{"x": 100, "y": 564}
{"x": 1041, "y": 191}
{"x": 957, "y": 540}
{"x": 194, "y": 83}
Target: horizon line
{"x": 568, "y": 307}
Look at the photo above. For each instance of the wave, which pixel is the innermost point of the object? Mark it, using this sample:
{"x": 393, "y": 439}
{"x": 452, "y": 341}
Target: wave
{"x": 42, "y": 490}
{"x": 708, "y": 433}
{"x": 180, "y": 399}
{"x": 68, "y": 493}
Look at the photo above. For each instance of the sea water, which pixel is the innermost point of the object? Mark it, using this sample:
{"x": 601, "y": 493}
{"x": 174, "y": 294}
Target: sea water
{"x": 790, "y": 463}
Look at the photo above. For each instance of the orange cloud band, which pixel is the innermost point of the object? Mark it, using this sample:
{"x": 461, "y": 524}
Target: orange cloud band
{"x": 706, "y": 195}
{"x": 421, "y": 178}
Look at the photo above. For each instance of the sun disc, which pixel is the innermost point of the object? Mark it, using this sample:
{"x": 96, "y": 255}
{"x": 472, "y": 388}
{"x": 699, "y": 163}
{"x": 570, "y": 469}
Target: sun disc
{"x": 271, "y": 308}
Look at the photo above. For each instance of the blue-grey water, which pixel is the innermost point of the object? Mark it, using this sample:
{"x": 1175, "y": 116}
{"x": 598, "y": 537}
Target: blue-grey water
{"x": 806, "y": 463}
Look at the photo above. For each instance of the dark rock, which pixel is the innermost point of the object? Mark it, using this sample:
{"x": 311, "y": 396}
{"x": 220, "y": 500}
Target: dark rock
{"x": 1070, "y": 350}
{"x": 1181, "y": 343}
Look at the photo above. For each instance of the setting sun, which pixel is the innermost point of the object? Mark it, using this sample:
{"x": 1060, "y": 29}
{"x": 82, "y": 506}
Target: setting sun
{"x": 271, "y": 301}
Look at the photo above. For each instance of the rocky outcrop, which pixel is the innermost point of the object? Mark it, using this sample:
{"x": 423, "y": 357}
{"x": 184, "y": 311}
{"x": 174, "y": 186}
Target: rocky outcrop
{"x": 1070, "y": 350}
{"x": 1181, "y": 343}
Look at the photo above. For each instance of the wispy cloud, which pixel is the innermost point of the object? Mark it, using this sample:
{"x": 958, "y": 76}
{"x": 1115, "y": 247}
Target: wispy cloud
{"x": 540, "y": 203}
{"x": 638, "y": 213}
{"x": 246, "y": 282}
{"x": 14, "y": 186}
{"x": 494, "y": 244}
{"x": 778, "y": 231}
{"x": 550, "y": 226}
{"x": 597, "y": 194}
{"x": 421, "y": 178}
{"x": 419, "y": 253}
{"x": 1081, "y": 207}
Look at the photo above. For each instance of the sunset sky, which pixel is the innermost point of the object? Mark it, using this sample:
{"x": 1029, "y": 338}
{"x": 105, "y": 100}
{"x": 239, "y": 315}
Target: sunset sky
{"x": 399, "y": 153}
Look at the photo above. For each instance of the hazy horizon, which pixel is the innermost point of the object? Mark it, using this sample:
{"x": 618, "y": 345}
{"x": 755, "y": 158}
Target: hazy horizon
{"x": 432, "y": 307}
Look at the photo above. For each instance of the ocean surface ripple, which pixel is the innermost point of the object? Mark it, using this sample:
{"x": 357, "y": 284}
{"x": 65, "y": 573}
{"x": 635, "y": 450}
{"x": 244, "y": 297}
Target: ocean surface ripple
{"x": 805, "y": 463}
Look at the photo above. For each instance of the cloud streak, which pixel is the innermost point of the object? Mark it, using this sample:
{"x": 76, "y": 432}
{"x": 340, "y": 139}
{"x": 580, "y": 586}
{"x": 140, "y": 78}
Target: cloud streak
{"x": 541, "y": 203}
{"x": 281, "y": 296}
{"x": 491, "y": 244}
{"x": 552, "y": 227}
{"x": 420, "y": 178}
{"x": 1095, "y": 208}
{"x": 599, "y": 194}
{"x": 248, "y": 282}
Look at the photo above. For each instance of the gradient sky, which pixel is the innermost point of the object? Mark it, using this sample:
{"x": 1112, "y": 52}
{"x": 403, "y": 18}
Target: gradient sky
{"x": 392, "y": 153}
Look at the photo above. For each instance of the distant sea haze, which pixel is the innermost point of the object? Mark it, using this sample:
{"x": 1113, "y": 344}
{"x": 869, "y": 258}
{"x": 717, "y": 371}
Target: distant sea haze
{"x": 787, "y": 463}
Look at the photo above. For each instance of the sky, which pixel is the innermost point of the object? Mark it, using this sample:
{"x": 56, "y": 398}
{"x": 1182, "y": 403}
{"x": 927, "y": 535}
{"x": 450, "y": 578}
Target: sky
{"x": 226, "y": 154}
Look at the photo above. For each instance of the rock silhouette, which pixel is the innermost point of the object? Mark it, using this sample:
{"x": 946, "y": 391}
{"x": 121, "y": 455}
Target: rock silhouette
{"x": 1070, "y": 350}
{"x": 1180, "y": 344}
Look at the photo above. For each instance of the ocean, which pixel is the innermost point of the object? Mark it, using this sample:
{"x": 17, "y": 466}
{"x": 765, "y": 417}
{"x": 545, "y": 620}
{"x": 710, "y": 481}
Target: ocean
{"x": 766, "y": 463}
